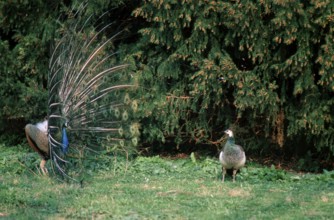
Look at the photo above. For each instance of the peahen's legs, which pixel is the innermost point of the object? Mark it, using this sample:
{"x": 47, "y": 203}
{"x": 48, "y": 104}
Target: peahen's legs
{"x": 234, "y": 174}
{"x": 43, "y": 168}
{"x": 38, "y": 141}
{"x": 224, "y": 172}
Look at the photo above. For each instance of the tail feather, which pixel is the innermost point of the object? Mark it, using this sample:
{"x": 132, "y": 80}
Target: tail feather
{"x": 86, "y": 92}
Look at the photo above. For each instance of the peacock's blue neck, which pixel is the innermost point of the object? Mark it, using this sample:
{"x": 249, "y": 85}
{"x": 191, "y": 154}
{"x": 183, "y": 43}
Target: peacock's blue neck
{"x": 65, "y": 142}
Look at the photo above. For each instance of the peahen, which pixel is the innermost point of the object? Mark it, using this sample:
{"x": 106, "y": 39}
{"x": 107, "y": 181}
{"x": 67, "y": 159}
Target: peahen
{"x": 37, "y": 136}
{"x": 89, "y": 106}
{"x": 232, "y": 156}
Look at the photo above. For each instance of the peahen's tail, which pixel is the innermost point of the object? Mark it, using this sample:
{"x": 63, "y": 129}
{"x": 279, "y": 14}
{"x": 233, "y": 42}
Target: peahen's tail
{"x": 89, "y": 106}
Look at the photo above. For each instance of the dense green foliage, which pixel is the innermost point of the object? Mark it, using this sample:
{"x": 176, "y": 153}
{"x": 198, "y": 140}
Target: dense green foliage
{"x": 28, "y": 30}
{"x": 276, "y": 58}
{"x": 156, "y": 188}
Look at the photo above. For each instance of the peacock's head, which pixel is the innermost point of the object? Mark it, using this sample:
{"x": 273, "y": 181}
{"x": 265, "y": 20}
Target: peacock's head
{"x": 229, "y": 132}
{"x": 65, "y": 123}
{"x": 221, "y": 78}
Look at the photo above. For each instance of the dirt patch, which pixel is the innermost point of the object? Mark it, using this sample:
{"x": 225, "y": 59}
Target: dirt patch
{"x": 2, "y": 214}
{"x": 238, "y": 193}
{"x": 324, "y": 199}
{"x": 173, "y": 193}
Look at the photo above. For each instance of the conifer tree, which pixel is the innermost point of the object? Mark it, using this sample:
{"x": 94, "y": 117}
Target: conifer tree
{"x": 28, "y": 31}
{"x": 276, "y": 58}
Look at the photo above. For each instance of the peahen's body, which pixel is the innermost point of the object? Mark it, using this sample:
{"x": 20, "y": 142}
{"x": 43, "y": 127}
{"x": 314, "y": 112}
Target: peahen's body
{"x": 38, "y": 140}
{"x": 232, "y": 156}
{"x": 89, "y": 107}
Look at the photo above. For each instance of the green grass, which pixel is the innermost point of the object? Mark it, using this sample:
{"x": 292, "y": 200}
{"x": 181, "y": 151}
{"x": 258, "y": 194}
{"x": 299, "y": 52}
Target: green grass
{"x": 155, "y": 188}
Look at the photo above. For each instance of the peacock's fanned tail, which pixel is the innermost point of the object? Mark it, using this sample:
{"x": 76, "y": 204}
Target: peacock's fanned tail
{"x": 88, "y": 106}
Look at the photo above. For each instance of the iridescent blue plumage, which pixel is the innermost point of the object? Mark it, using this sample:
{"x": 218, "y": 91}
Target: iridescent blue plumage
{"x": 64, "y": 140}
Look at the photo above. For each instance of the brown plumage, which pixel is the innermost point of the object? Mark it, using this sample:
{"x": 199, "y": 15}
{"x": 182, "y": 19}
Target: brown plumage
{"x": 38, "y": 141}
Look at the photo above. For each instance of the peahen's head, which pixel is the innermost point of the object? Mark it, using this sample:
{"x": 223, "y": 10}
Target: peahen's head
{"x": 229, "y": 132}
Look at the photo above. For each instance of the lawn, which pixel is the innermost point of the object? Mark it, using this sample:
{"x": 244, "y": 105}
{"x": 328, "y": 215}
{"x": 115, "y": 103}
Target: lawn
{"x": 160, "y": 188}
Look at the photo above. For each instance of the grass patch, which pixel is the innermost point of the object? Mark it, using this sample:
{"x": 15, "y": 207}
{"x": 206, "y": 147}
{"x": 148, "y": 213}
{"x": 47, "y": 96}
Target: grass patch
{"x": 156, "y": 188}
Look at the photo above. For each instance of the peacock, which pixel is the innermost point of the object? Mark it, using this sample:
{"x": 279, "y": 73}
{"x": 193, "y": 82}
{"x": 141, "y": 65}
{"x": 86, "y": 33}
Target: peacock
{"x": 89, "y": 105}
{"x": 232, "y": 156}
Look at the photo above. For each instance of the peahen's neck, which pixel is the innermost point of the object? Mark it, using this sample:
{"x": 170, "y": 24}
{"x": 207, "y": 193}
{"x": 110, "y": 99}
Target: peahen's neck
{"x": 230, "y": 140}
{"x": 229, "y": 145}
